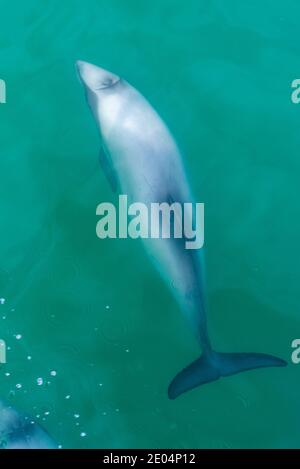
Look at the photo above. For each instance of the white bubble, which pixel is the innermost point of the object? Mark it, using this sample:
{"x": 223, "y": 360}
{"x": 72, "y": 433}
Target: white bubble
{"x": 83, "y": 434}
{"x": 53, "y": 373}
{"x": 107, "y": 306}
{"x": 7, "y": 374}
{"x": 29, "y": 357}
{"x": 47, "y": 413}
{"x": 2, "y": 301}
{"x": 18, "y": 386}
{"x": 68, "y": 396}
{"x": 18, "y": 336}
{"x": 39, "y": 381}
{"x": 76, "y": 416}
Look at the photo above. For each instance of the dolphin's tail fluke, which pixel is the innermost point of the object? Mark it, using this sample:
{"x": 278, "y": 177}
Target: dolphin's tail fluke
{"x": 211, "y": 366}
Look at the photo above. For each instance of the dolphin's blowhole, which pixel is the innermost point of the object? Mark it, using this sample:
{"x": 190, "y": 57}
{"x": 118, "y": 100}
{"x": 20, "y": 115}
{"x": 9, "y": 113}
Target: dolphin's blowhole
{"x": 108, "y": 83}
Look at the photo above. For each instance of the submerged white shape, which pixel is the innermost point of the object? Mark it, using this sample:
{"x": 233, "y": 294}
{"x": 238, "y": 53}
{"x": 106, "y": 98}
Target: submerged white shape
{"x": 18, "y": 431}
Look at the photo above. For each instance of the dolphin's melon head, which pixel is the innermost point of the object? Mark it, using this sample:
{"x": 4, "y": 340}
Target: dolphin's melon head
{"x": 95, "y": 78}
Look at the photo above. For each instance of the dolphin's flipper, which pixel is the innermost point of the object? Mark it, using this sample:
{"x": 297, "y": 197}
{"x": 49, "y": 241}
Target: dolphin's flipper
{"x": 212, "y": 366}
{"x": 108, "y": 169}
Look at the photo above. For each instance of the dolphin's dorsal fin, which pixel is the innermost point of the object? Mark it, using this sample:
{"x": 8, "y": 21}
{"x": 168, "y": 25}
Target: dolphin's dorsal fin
{"x": 108, "y": 169}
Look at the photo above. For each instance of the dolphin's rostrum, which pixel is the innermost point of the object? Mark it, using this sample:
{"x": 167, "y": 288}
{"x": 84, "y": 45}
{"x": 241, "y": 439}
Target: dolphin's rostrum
{"x": 140, "y": 158}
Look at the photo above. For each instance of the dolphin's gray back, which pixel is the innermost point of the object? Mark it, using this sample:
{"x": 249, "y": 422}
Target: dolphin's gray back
{"x": 142, "y": 150}
{"x": 149, "y": 167}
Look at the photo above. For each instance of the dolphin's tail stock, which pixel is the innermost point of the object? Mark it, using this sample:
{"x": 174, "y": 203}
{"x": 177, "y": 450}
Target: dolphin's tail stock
{"x": 212, "y": 365}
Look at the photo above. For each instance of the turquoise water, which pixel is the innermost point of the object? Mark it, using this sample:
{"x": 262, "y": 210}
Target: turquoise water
{"x": 96, "y": 312}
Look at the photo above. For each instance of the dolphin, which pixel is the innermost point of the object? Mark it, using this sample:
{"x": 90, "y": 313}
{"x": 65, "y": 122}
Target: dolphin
{"x": 19, "y": 431}
{"x": 141, "y": 159}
